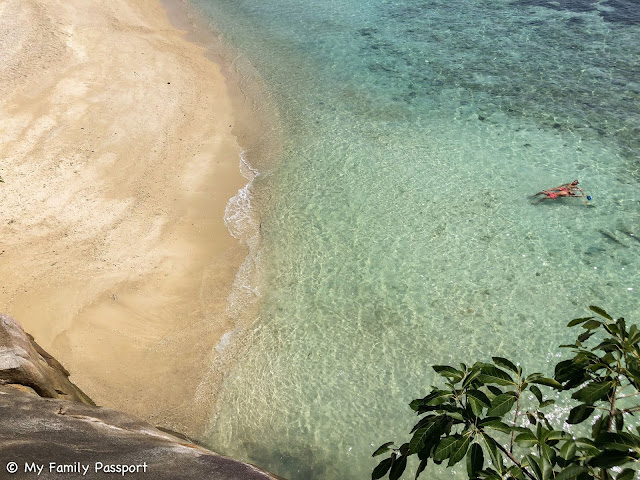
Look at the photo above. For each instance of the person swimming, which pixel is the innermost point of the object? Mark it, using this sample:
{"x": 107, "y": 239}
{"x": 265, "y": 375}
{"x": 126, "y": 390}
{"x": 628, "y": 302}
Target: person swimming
{"x": 564, "y": 190}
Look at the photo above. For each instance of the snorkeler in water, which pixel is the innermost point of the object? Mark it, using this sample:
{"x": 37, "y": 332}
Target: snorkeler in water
{"x": 564, "y": 190}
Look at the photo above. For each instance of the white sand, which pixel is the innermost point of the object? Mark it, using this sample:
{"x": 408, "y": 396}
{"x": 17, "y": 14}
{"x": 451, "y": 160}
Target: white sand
{"x": 118, "y": 158}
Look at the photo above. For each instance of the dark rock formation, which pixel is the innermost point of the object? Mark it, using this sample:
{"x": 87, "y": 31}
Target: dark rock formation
{"x": 56, "y": 438}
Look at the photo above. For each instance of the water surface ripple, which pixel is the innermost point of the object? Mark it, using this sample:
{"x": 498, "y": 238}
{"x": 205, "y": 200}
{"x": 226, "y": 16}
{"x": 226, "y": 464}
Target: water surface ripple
{"x": 398, "y": 232}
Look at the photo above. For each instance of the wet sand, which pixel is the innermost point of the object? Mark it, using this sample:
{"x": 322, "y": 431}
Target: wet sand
{"x": 117, "y": 150}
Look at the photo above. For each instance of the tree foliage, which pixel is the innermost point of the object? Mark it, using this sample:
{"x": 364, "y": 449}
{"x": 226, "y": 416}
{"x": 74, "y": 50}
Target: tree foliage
{"x": 496, "y": 417}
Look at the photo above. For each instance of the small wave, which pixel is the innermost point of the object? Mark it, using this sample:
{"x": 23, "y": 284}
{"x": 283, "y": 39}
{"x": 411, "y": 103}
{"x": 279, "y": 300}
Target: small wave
{"x": 242, "y": 223}
{"x": 224, "y": 342}
{"x": 246, "y": 169}
{"x": 241, "y": 220}
{"x": 238, "y": 215}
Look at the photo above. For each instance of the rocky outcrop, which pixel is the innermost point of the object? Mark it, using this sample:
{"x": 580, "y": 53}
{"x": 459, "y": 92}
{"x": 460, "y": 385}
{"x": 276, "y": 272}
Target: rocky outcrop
{"x": 50, "y": 429}
{"x": 68, "y": 439}
{"x": 24, "y": 363}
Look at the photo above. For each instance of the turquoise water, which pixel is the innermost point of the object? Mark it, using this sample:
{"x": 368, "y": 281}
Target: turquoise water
{"x": 397, "y": 230}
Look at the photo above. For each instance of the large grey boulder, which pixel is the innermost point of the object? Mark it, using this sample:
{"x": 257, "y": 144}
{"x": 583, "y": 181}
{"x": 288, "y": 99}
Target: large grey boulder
{"x": 66, "y": 439}
{"x": 50, "y": 429}
{"x": 24, "y": 362}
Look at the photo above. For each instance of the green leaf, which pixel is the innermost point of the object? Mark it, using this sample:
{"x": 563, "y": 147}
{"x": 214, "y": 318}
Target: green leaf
{"x": 619, "y": 419}
{"x": 548, "y": 455}
{"x": 557, "y": 435}
{"x": 583, "y": 337}
{"x": 618, "y": 441}
{"x": 421, "y": 467}
{"x": 455, "y": 415}
{"x": 593, "y": 392}
{"x": 549, "y": 382}
{"x": 397, "y": 468}
{"x": 547, "y": 468}
{"x": 424, "y": 421}
{"x": 527, "y": 439}
{"x": 448, "y": 372}
{"x": 501, "y": 405}
{"x": 382, "y": 449}
{"x": 475, "y": 460}
{"x": 634, "y": 335}
{"x": 570, "y": 371}
{"x": 470, "y": 378}
{"x": 571, "y": 472}
{"x": 608, "y": 345}
{"x": 612, "y": 329}
{"x": 479, "y": 396}
{"x": 536, "y": 391}
{"x": 478, "y": 401}
{"x": 420, "y": 437}
{"x": 382, "y": 468}
{"x": 622, "y": 325}
{"x": 495, "y": 424}
{"x": 516, "y": 473}
{"x": 436, "y": 397}
{"x": 568, "y": 450}
{"x": 504, "y": 363}
{"x": 491, "y": 475}
{"x": 445, "y": 448}
{"x": 533, "y": 463}
{"x": 587, "y": 446}
{"x": 600, "y": 426}
{"x": 600, "y": 312}
{"x": 579, "y": 414}
{"x": 495, "y": 391}
{"x": 494, "y": 453}
{"x": 591, "y": 324}
{"x": 404, "y": 449}
{"x": 609, "y": 459}
{"x": 626, "y": 474}
{"x": 495, "y": 375}
{"x": 459, "y": 450}
{"x": 633, "y": 376}
{"x": 578, "y": 321}
{"x": 546, "y": 403}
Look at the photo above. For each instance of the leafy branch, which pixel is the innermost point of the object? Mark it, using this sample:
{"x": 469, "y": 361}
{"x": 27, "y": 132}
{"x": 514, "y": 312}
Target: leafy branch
{"x": 467, "y": 418}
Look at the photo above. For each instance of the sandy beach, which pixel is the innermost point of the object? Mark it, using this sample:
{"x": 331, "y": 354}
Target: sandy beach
{"x": 118, "y": 157}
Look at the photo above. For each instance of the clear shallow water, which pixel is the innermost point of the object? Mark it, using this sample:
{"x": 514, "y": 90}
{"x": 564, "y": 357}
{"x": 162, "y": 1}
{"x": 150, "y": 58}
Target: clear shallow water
{"x": 397, "y": 232}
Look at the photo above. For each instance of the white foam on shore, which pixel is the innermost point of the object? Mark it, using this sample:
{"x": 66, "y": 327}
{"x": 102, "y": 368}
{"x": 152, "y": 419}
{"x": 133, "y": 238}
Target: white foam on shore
{"x": 238, "y": 216}
{"x": 224, "y": 342}
{"x": 242, "y": 222}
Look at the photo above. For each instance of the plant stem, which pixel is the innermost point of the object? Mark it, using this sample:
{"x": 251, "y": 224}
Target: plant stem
{"x": 513, "y": 459}
{"x": 613, "y": 399}
{"x": 627, "y": 396}
{"x": 515, "y": 419}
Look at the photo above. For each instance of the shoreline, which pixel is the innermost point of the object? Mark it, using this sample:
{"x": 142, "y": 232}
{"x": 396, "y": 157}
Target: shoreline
{"x": 119, "y": 159}
{"x": 258, "y": 130}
